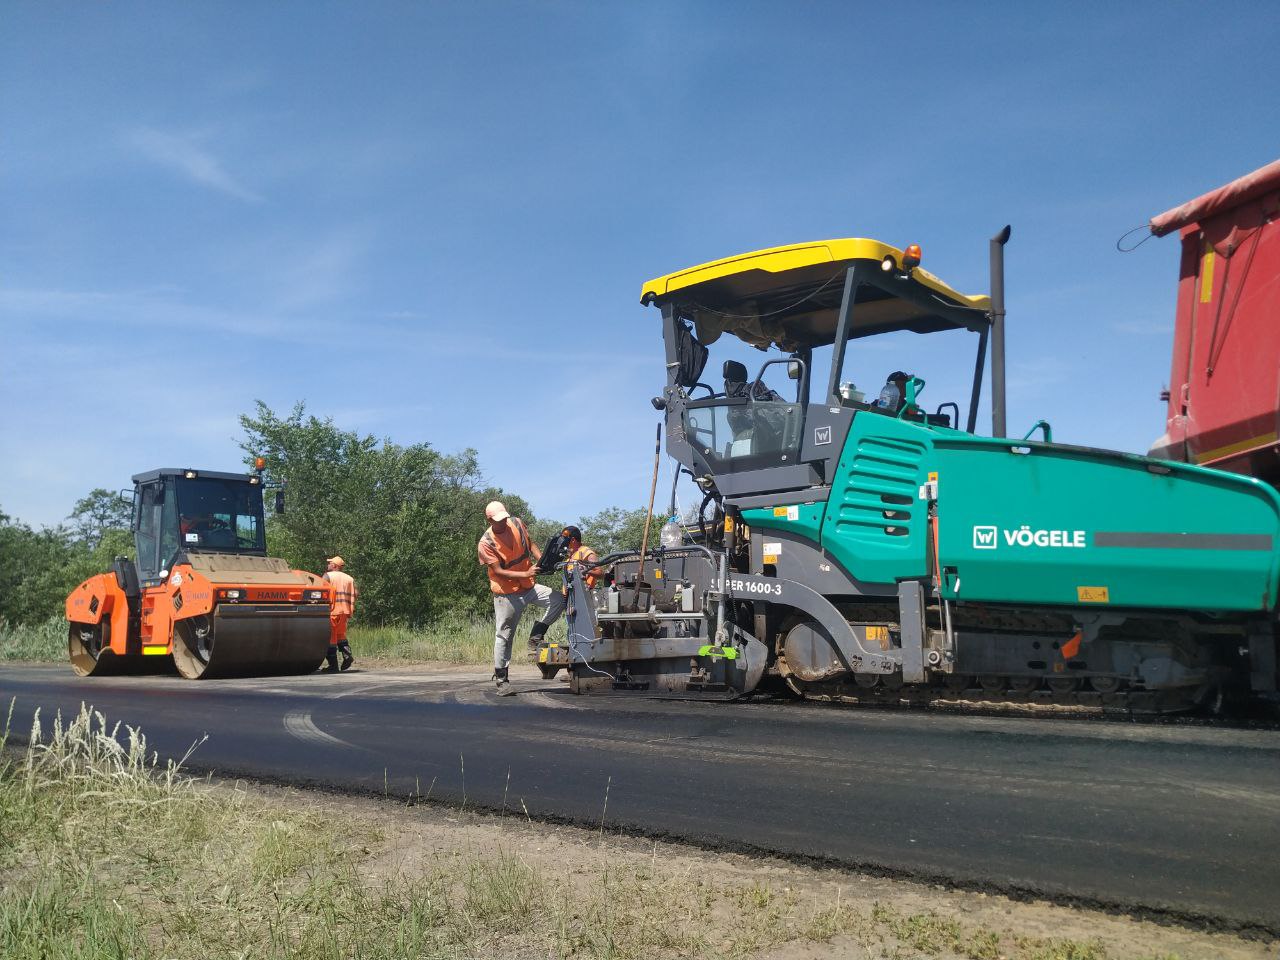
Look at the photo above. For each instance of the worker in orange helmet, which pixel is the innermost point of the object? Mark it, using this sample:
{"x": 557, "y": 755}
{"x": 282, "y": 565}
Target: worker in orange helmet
{"x": 344, "y": 605}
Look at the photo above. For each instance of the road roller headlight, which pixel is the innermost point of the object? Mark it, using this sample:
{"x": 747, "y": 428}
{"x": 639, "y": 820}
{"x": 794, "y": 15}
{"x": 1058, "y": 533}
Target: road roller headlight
{"x": 315, "y": 594}
{"x": 229, "y": 594}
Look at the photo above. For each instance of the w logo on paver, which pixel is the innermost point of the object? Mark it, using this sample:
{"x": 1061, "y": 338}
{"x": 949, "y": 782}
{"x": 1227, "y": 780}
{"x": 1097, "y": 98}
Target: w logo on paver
{"x": 984, "y": 538}
{"x": 821, "y": 435}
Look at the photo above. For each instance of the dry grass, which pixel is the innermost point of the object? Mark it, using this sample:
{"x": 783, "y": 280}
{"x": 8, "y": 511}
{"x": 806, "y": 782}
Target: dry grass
{"x": 105, "y": 852}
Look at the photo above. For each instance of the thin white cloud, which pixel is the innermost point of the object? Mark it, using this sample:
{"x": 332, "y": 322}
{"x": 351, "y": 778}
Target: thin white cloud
{"x": 184, "y": 155}
{"x": 373, "y": 419}
{"x": 1032, "y": 379}
{"x": 320, "y": 271}
{"x": 239, "y": 80}
{"x": 152, "y": 308}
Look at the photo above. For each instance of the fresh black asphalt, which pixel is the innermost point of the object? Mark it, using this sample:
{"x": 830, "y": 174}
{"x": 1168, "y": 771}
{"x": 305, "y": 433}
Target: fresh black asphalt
{"x": 1166, "y": 820}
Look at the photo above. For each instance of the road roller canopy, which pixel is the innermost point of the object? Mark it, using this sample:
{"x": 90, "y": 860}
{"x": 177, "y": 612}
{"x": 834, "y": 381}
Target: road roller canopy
{"x": 181, "y": 510}
{"x": 790, "y": 296}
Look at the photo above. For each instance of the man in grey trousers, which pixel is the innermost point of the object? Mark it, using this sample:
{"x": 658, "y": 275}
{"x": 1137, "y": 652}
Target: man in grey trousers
{"x": 508, "y": 555}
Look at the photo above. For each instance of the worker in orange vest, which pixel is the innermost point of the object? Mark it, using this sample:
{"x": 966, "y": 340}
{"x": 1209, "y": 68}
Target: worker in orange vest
{"x": 576, "y": 554}
{"x": 508, "y": 555}
{"x": 344, "y": 605}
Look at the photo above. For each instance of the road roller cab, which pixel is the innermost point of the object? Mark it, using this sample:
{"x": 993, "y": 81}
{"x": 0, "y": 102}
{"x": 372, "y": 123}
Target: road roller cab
{"x": 203, "y": 594}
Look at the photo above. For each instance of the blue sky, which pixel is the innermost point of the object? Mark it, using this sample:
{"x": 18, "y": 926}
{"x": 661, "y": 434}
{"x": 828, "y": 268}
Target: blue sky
{"x": 432, "y": 221}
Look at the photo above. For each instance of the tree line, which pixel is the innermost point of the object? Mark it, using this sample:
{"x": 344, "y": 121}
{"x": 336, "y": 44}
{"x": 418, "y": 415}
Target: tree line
{"x": 38, "y": 568}
{"x": 405, "y": 518}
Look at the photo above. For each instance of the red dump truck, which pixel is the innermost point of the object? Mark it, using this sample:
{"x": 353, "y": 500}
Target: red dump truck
{"x": 1224, "y": 384}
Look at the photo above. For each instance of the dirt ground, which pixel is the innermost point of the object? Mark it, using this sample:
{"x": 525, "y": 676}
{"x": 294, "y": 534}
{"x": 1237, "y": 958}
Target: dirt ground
{"x": 416, "y": 836}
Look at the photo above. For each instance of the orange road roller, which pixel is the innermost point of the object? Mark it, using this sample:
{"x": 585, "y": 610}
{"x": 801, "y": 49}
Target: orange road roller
{"x": 203, "y": 594}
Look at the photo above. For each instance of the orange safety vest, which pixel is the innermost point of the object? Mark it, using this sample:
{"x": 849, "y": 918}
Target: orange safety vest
{"x": 503, "y": 585}
{"x": 344, "y": 592}
{"x": 585, "y": 555}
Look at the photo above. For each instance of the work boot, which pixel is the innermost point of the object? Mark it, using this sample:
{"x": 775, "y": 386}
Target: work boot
{"x": 347, "y": 659}
{"x": 535, "y": 637}
{"x": 504, "y": 685}
{"x": 331, "y": 659}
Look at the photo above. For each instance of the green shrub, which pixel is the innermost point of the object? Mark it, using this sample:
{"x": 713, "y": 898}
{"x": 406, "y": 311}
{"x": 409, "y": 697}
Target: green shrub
{"x": 46, "y": 640}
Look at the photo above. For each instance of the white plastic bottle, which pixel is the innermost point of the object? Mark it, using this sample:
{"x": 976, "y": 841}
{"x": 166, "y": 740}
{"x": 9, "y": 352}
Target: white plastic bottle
{"x": 890, "y": 397}
{"x": 671, "y": 536}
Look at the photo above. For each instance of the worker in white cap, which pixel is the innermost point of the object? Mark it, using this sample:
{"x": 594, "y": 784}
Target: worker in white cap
{"x": 344, "y": 605}
{"x": 508, "y": 555}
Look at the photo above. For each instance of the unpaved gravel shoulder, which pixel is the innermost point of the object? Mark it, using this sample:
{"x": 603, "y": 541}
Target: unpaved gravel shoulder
{"x": 413, "y": 838}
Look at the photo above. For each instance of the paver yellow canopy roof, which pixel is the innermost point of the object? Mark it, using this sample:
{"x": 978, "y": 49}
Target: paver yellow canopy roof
{"x": 790, "y": 296}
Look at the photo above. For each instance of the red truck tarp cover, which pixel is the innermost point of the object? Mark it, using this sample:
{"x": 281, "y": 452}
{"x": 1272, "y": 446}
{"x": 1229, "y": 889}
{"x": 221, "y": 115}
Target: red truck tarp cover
{"x": 1224, "y": 379}
{"x": 1235, "y": 193}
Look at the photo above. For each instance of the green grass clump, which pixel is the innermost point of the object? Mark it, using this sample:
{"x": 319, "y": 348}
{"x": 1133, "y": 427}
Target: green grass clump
{"x": 932, "y": 934}
{"x": 57, "y": 919}
{"x": 1039, "y": 949}
{"x": 46, "y": 640}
